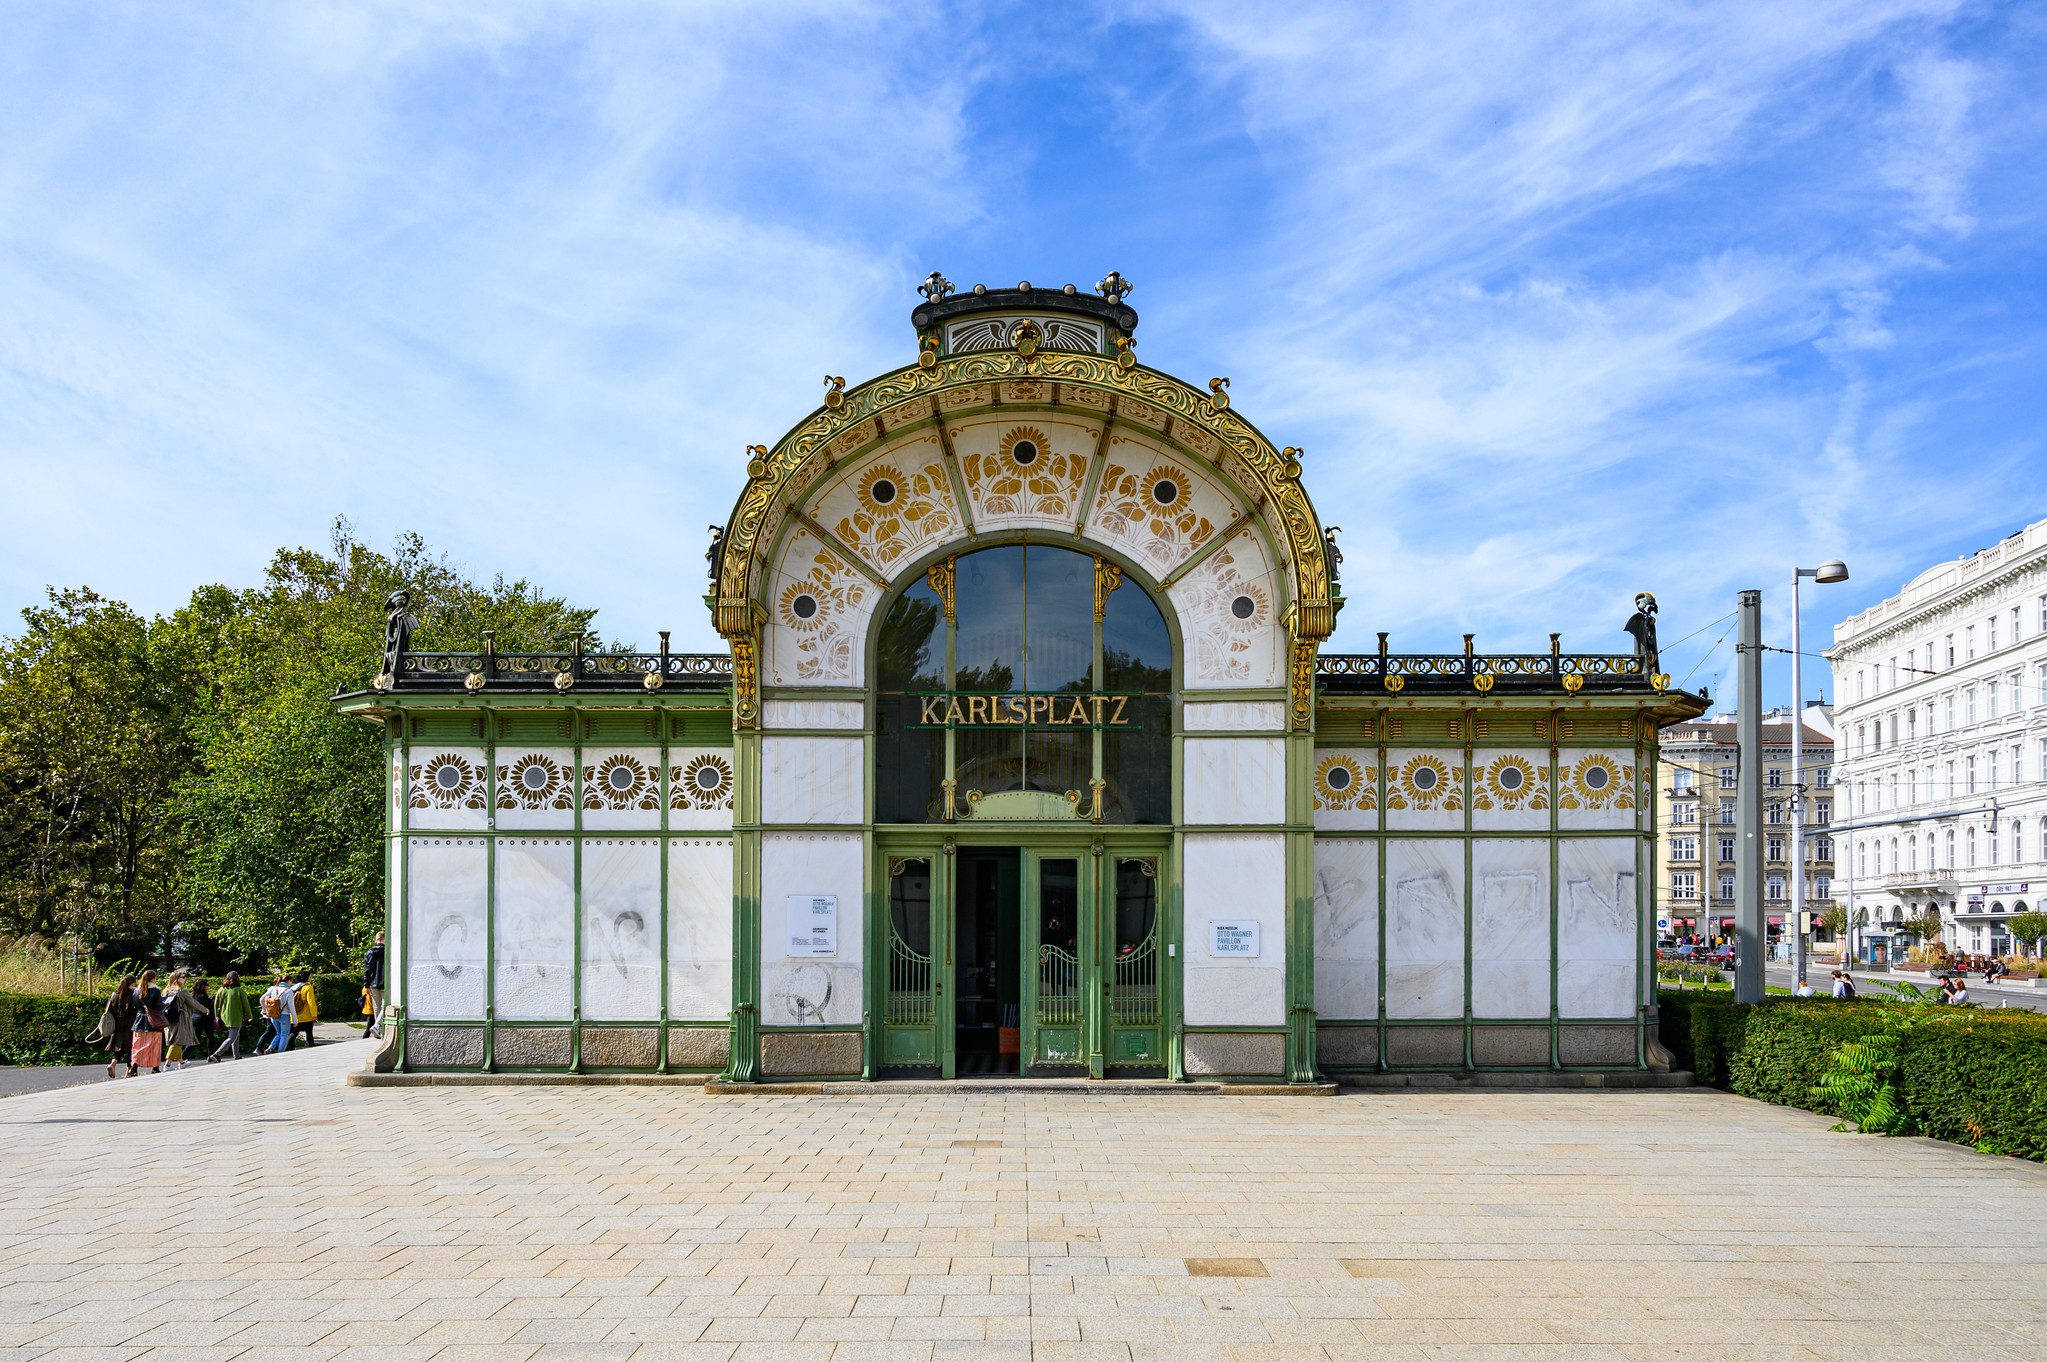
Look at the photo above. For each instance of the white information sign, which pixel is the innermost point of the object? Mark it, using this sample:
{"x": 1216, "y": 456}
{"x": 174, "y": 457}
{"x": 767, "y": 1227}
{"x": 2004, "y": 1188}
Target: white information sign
{"x": 1233, "y": 938}
{"x": 813, "y": 924}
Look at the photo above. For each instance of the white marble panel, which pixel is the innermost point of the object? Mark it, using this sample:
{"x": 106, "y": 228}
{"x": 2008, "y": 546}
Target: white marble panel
{"x": 699, "y": 929}
{"x": 622, "y": 929}
{"x": 813, "y": 780}
{"x": 444, "y": 913}
{"x": 533, "y": 926}
{"x": 1597, "y": 917}
{"x": 1596, "y": 787}
{"x": 893, "y": 504}
{"x": 1510, "y": 790}
{"x": 818, "y": 609}
{"x": 1346, "y": 928}
{"x": 445, "y": 787}
{"x": 1229, "y": 609}
{"x": 536, "y": 787}
{"x": 700, "y": 788}
{"x": 621, "y": 788}
{"x": 1233, "y": 780}
{"x": 1158, "y": 526}
{"x": 1043, "y": 493}
{"x": 811, "y": 990}
{"x": 1424, "y": 788}
{"x": 1425, "y": 929}
{"x": 1235, "y": 878}
{"x": 1510, "y": 928}
{"x": 1345, "y": 785}
{"x": 1234, "y": 716}
{"x": 813, "y": 714}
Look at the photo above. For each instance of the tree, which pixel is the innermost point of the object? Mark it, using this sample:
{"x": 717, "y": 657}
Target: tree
{"x": 1834, "y": 920}
{"x": 284, "y": 817}
{"x": 94, "y": 736}
{"x": 1924, "y": 928}
{"x": 2027, "y": 929}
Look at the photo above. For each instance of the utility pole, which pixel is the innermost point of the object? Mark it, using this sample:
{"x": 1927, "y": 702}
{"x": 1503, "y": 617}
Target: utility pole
{"x": 1749, "y": 932}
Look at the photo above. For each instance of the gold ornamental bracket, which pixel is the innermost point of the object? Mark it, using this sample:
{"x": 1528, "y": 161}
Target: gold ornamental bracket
{"x": 1266, "y": 475}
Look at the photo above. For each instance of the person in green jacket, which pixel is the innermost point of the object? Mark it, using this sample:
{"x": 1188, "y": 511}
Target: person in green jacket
{"x": 232, "y": 1006}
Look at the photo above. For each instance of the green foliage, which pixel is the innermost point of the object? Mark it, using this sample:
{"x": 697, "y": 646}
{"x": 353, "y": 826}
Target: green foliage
{"x": 188, "y": 777}
{"x": 1891, "y": 1065}
{"x": 1924, "y": 928}
{"x": 38, "y": 1030}
{"x": 1834, "y": 920}
{"x": 2028, "y": 928}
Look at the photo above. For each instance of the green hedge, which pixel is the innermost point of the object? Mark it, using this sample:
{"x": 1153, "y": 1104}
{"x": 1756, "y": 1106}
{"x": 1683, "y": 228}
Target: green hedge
{"x": 43, "y": 1030}
{"x": 1973, "y": 1077}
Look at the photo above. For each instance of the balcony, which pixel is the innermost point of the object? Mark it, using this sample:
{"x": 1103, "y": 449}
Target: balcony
{"x": 1941, "y": 883}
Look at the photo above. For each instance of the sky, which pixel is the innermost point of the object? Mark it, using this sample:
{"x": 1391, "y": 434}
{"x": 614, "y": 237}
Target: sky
{"x": 1562, "y": 301}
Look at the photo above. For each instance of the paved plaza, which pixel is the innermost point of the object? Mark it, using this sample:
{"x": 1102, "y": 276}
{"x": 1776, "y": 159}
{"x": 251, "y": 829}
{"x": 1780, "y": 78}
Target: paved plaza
{"x": 265, "y": 1210}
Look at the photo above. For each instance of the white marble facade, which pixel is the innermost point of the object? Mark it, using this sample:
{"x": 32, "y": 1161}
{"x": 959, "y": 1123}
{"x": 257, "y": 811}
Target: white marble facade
{"x": 801, "y": 989}
{"x": 1233, "y": 780}
{"x": 621, "y": 946}
{"x": 699, "y": 928}
{"x": 1235, "y": 878}
{"x": 1510, "y": 934}
{"x": 1347, "y": 928}
{"x": 1424, "y": 928}
{"x": 1598, "y": 919}
{"x": 445, "y": 919}
{"x": 810, "y": 780}
{"x": 533, "y": 928}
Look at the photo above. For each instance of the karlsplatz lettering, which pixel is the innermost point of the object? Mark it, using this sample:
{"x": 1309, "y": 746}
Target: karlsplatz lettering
{"x": 949, "y": 709}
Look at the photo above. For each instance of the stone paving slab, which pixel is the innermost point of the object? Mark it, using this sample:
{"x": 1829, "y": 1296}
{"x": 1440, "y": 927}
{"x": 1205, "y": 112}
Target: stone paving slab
{"x": 268, "y": 1211}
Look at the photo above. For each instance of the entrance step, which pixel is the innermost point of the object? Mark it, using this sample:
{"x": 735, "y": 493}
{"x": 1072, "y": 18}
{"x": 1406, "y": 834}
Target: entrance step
{"x": 1019, "y": 1087}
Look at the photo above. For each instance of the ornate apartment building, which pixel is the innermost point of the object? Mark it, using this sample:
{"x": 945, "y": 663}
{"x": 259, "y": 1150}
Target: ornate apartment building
{"x": 1942, "y": 716}
{"x": 1696, "y": 831}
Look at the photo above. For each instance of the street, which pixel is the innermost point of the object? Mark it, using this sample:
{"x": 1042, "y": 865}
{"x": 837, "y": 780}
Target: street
{"x": 1870, "y": 985}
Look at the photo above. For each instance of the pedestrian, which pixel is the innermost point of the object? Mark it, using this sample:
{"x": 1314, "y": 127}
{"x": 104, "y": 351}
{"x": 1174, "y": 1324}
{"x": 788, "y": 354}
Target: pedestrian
{"x": 277, "y": 1001}
{"x": 231, "y": 1006}
{"x": 182, "y": 1009}
{"x": 145, "y": 1038}
{"x": 1958, "y": 991}
{"x": 1844, "y": 987}
{"x": 373, "y": 980}
{"x": 117, "y": 1025}
{"x": 1804, "y": 989}
{"x": 204, "y": 1027}
{"x": 305, "y": 1007}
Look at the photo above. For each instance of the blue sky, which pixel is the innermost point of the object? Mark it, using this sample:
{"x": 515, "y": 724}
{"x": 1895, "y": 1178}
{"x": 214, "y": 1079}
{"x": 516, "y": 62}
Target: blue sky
{"x": 1563, "y": 301}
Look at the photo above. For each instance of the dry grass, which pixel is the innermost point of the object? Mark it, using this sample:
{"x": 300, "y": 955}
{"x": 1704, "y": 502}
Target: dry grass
{"x": 29, "y": 965}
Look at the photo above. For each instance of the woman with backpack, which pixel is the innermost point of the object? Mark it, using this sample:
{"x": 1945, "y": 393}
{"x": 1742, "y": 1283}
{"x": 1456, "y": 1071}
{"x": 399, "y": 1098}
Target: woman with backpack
{"x": 117, "y": 1025}
{"x": 145, "y": 1038}
{"x": 305, "y": 1008}
{"x": 277, "y": 1010}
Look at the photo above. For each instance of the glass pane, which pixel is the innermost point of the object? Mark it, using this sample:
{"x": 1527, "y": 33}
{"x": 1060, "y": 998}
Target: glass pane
{"x": 909, "y": 904}
{"x": 1136, "y": 905}
{"x": 1059, "y": 619}
{"x": 910, "y": 654}
{"x": 1058, "y": 759}
{"x": 909, "y": 763}
{"x": 988, "y": 600}
{"x": 1137, "y": 761}
{"x": 1059, "y": 904}
{"x": 1137, "y": 652}
{"x": 989, "y": 759}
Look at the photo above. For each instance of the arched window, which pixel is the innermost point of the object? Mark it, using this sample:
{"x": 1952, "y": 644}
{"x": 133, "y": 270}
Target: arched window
{"x": 1969, "y": 845}
{"x": 1948, "y": 861}
{"x": 1022, "y": 687}
{"x": 1911, "y": 853}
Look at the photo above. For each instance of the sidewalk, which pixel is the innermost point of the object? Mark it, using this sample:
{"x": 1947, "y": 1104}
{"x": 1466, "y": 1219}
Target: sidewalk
{"x": 18, "y": 1079}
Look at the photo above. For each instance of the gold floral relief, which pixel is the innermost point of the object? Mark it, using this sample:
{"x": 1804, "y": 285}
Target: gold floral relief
{"x": 1343, "y": 783}
{"x": 1025, "y": 477}
{"x": 1151, "y": 510}
{"x": 899, "y": 509}
{"x": 703, "y": 782}
{"x": 1426, "y": 782}
{"x": 447, "y": 781}
{"x": 820, "y": 609}
{"x": 1511, "y": 782}
{"x": 1228, "y": 611}
{"x": 1599, "y": 781}
{"x": 620, "y": 782}
{"x": 534, "y": 781}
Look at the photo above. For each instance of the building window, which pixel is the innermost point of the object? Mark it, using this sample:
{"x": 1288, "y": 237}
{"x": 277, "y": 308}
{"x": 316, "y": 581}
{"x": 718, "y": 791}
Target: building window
{"x": 2014, "y": 624}
{"x": 1990, "y": 834}
{"x": 2043, "y": 614}
{"x": 1822, "y": 812}
{"x": 1776, "y": 780}
{"x": 1684, "y": 885}
{"x": 1684, "y": 813}
{"x": 2018, "y": 842}
{"x": 1969, "y": 705}
{"x": 1948, "y": 861}
{"x": 1969, "y": 848}
{"x": 1990, "y": 644}
{"x": 1862, "y": 858}
{"x": 1776, "y": 888}
{"x": 1969, "y": 778}
{"x": 1823, "y": 849}
{"x": 1993, "y": 768}
{"x": 1990, "y": 698}
{"x": 1823, "y": 886}
{"x": 1823, "y": 777}
{"x": 1776, "y": 814}
{"x": 1775, "y": 850}
{"x": 1684, "y": 849}
{"x": 1680, "y": 778}
{"x": 1727, "y": 777}
{"x": 1727, "y": 886}
{"x": 1727, "y": 814}
{"x": 1969, "y": 643}
{"x": 1726, "y": 848}
{"x": 1861, "y": 691}
{"x": 1911, "y": 853}
{"x": 1950, "y": 725}
{"x": 2018, "y": 764}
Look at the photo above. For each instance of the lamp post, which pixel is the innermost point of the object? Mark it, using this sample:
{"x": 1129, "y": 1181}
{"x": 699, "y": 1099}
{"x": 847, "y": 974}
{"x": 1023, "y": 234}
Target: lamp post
{"x": 1833, "y": 570}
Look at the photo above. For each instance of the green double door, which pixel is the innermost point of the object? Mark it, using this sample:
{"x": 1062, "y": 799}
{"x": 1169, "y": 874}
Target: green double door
{"x": 1007, "y": 960}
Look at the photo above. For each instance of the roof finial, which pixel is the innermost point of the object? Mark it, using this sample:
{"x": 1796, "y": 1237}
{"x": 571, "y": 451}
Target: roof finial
{"x": 936, "y": 287}
{"x": 1114, "y": 286}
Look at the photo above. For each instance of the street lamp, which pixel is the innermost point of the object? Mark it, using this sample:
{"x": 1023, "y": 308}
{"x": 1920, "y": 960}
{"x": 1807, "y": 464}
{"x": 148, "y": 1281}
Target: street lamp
{"x": 1833, "y": 570}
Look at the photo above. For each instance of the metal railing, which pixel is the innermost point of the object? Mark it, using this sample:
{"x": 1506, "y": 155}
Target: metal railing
{"x": 563, "y": 669}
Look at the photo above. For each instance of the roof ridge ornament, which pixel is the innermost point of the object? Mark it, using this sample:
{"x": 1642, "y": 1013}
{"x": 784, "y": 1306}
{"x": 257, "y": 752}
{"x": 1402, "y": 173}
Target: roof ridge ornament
{"x": 936, "y": 287}
{"x": 1113, "y": 286}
